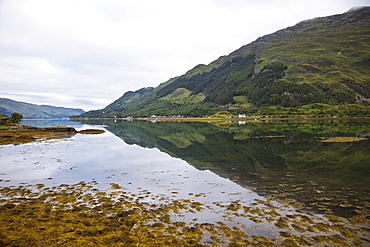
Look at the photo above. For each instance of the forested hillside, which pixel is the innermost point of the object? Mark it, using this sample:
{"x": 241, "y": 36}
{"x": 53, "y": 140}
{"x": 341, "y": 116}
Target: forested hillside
{"x": 319, "y": 66}
{"x": 32, "y": 111}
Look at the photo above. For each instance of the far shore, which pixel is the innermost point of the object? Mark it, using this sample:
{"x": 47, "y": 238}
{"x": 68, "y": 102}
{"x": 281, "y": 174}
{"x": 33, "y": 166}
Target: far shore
{"x": 210, "y": 119}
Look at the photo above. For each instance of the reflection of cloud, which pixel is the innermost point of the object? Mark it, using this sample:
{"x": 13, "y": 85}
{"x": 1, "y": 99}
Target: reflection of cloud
{"x": 107, "y": 159}
{"x": 22, "y": 163}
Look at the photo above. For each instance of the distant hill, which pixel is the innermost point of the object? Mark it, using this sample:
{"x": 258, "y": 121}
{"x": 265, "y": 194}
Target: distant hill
{"x": 322, "y": 63}
{"x": 32, "y": 111}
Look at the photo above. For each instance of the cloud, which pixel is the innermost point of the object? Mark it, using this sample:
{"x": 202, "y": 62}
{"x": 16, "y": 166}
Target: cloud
{"x": 86, "y": 54}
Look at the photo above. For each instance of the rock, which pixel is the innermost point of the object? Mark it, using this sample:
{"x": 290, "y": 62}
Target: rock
{"x": 61, "y": 129}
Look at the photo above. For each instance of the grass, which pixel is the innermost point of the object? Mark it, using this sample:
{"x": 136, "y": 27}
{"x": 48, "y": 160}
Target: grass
{"x": 310, "y": 58}
{"x": 183, "y": 96}
{"x": 316, "y": 110}
{"x": 222, "y": 115}
{"x": 344, "y": 139}
{"x": 242, "y": 101}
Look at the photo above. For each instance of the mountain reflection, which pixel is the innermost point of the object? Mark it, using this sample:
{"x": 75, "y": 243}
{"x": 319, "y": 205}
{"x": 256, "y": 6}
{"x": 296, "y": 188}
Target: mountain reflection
{"x": 285, "y": 159}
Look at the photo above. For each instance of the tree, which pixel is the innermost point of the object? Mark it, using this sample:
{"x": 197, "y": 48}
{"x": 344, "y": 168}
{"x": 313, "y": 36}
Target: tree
{"x": 16, "y": 117}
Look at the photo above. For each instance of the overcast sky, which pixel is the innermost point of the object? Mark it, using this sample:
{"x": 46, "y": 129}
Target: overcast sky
{"x": 87, "y": 53}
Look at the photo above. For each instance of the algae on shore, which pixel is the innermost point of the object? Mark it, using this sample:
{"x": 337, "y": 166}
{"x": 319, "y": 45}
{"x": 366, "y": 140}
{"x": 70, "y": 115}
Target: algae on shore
{"x": 79, "y": 214}
{"x": 24, "y": 134}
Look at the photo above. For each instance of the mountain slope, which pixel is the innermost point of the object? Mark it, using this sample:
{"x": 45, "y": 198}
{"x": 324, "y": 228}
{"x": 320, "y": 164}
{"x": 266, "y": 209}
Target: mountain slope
{"x": 322, "y": 60}
{"x": 8, "y": 106}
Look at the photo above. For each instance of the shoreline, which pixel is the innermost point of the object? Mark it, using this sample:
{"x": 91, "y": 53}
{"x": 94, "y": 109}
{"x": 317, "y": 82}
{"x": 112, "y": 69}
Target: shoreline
{"x": 195, "y": 119}
{"x": 19, "y": 134}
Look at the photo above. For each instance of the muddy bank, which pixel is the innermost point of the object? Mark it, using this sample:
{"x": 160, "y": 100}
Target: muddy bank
{"x": 24, "y": 134}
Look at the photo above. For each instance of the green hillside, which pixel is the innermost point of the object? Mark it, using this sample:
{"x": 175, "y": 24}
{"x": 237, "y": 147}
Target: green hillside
{"x": 32, "y": 111}
{"x": 319, "y": 67}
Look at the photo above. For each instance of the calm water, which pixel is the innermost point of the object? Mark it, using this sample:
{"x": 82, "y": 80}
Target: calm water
{"x": 285, "y": 159}
{"x": 283, "y": 164}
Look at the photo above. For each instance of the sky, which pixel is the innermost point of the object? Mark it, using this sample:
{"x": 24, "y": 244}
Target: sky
{"x": 87, "y": 53}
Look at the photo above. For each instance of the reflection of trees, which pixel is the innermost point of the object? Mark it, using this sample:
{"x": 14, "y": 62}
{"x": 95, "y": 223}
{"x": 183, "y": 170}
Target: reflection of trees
{"x": 271, "y": 158}
{"x": 198, "y": 143}
{"x": 271, "y": 149}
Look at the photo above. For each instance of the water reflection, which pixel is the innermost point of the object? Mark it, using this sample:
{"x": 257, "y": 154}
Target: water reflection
{"x": 287, "y": 160}
{"x": 104, "y": 158}
{"x": 58, "y": 122}
{"x": 145, "y": 182}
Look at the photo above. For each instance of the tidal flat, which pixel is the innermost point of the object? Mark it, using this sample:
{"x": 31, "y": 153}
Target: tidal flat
{"x": 25, "y": 134}
{"x": 78, "y": 214}
{"x": 136, "y": 185}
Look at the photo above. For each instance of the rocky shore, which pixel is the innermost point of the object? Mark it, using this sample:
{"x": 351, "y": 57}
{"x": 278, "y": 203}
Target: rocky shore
{"x": 23, "y": 134}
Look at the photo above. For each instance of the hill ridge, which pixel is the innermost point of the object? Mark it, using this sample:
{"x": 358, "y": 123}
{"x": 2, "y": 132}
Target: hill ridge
{"x": 322, "y": 60}
{"x": 34, "y": 111}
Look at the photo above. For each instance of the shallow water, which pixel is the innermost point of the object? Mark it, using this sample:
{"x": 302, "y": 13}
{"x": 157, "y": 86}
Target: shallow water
{"x": 262, "y": 178}
{"x": 107, "y": 159}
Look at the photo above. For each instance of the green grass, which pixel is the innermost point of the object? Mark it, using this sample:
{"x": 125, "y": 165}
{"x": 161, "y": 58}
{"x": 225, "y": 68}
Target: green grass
{"x": 316, "y": 110}
{"x": 311, "y": 56}
{"x": 242, "y": 100}
{"x": 222, "y": 114}
{"x": 5, "y": 121}
{"x": 182, "y": 95}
